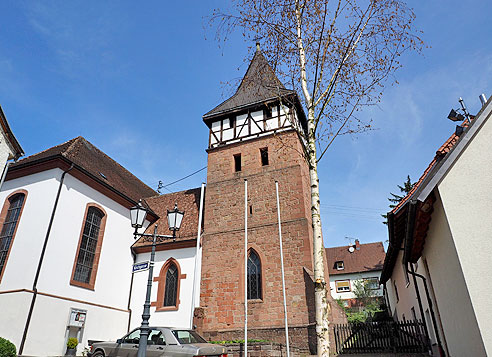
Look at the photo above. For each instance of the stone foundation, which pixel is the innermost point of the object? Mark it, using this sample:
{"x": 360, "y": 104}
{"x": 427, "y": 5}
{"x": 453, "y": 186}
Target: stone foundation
{"x": 258, "y": 349}
{"x": 301, "y": 338}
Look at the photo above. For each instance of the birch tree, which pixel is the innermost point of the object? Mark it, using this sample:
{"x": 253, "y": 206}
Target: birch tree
{"x": 338, "y": 54}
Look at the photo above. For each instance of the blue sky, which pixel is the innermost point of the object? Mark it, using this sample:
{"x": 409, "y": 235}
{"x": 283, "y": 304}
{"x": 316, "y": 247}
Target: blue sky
{"x": 135, "y": 79}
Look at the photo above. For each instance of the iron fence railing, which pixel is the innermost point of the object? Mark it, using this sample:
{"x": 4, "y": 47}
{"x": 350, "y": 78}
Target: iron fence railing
{"x": 380, "y": 337}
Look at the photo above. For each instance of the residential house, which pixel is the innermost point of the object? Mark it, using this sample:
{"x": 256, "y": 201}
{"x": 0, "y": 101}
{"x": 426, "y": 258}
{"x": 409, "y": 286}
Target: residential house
{"x": 357, "y": 263}
{"x": 438, "y": 267}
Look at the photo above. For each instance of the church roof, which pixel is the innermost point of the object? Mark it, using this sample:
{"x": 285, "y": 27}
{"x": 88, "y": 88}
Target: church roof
{"x": 94, "y": 163}
{"x": 189, "y": 202}
{"x": 258, "y": 85}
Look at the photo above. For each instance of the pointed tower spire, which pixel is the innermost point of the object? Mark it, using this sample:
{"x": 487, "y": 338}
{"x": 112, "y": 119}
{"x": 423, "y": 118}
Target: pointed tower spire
{"x": 259, "y": 84}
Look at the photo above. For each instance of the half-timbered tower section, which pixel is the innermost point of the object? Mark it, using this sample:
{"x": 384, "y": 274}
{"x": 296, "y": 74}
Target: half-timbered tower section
{"x": 252, "y": 138}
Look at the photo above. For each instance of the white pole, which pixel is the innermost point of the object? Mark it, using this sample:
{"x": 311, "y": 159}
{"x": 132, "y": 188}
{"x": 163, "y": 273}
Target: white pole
{"x": 195, "y": 270}
{"x": 245, "y": 267}
{"x": 283, "y": 275}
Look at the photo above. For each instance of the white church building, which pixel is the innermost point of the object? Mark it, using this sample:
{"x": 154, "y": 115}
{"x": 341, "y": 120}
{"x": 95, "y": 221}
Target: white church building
{"x": 67, "y": 250}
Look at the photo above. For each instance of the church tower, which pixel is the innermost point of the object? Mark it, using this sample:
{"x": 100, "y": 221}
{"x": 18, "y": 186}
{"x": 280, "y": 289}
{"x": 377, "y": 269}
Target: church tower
{"x": 252, "y": 137}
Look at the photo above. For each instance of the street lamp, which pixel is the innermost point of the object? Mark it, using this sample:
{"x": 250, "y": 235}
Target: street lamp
{"x": 137, "y": 218}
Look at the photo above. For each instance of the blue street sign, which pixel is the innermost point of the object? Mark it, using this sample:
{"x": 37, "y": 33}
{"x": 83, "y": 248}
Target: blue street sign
{"x": 140, "y": 266}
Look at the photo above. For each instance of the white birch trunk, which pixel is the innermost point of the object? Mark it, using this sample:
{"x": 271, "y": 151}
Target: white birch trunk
{"x": 320, "y": 301}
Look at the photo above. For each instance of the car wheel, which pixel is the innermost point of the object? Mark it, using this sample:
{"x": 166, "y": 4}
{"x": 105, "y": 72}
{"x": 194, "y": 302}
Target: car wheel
{"x": 98, "y": 354}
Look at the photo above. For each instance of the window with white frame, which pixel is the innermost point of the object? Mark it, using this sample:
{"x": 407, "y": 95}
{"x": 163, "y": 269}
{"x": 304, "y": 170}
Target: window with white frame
{"x": 342, "y": 286}
{"x": 339, "y": 265}
{"x": 372, "y": 283}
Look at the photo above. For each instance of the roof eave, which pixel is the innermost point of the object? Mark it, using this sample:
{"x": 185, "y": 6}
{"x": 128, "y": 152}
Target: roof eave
{"x": 10, "y": 136}
{"x": 69, "y": 162}
{"x": 437, "y": 174}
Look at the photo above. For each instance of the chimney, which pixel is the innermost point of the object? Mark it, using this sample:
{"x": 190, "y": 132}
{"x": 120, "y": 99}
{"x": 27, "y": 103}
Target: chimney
{"x": 357, "y": 244}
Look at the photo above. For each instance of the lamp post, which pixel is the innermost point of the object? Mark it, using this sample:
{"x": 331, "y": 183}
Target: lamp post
{"x": 137, "y": 217}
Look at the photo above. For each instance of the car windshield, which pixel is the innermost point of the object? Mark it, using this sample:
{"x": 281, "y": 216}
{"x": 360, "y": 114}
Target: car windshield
{"x": 186, "y": 337}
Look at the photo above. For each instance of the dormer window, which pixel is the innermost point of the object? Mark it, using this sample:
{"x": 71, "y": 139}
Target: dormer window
{"x": 339, "y": 265}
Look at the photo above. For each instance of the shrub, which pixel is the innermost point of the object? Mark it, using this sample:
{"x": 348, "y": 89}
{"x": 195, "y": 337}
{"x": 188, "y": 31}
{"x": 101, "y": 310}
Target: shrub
{"x": 7, "y": 348}
{"x": 72, "y": 342}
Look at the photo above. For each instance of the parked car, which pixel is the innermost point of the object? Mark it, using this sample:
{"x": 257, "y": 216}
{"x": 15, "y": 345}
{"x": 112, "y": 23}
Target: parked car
{"x": 162, "y": 341}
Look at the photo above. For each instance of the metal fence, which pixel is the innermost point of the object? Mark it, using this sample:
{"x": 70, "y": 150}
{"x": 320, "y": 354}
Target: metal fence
{"x": 383, "y": 336}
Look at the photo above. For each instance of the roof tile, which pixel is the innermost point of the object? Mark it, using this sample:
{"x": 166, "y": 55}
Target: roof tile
{"x": 188, "y": 201}
{"x": 369, "y": 257}
{"x": 84, "y": 154}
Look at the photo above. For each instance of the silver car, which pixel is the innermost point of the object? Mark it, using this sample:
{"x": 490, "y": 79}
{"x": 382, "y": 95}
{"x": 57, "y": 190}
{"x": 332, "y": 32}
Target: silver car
{"x": 162, "y": 341}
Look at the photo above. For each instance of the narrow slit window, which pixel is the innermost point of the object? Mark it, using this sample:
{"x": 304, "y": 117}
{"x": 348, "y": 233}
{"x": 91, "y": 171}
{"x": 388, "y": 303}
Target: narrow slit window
{"x": 264, "y": 156}
{"x": 237, "y": 162}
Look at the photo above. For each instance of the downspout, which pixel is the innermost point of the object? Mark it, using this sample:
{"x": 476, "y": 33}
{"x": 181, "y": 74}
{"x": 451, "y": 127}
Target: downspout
{"x": 134, "y": 256}
{"x": 408, "y": 244}
{"x": 40, "y": 263}
{"x": 408, "y": 239}
{"x": 433, "y": 316}
{"x": 417, "y": 292}
{"x": 386, "y": 299}
{"x": 4, "y": 173}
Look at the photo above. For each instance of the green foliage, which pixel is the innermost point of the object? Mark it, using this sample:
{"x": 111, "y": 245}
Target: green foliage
{"x": 236, "y": 341}
{"x": 72, "y": 342}
{"x": 7, "y": 348}
{"x": 341, "y": 304}
{"x": 395, "y": 199}
{"x": 368, "y": 300}
{"x": 356, "y": 317}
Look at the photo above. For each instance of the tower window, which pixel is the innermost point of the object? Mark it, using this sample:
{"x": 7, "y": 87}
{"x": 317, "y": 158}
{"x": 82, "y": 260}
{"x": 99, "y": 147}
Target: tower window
{"x": 237, "y": 162}
{"x": 264, "y": 156}
{"x": 254, "y": 276}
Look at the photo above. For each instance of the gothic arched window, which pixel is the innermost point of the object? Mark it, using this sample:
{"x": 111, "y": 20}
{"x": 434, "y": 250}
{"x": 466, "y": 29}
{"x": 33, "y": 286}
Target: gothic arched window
{"x": 254, "y": 276}
{"x": 10, "y": 215}
{"x": 169, "y": 281}
{"x": 171, "y": 290}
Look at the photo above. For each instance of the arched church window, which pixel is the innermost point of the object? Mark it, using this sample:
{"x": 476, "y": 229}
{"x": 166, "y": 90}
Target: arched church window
{"x": 169, "y": 281}
{"x": 87, "y": 257}
{"x": 171, "y": 290}
{"x": 10, "y": 215}
{"x": 254, "y": 276}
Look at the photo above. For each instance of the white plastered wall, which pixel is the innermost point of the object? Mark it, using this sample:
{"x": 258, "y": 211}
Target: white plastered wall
{"x": 466, "y": 193}
{"x": 353, "y": 277}
{"x": 451, "y": 291}
{"x": 107, "y": 304}
{"x": 180, "y": 318}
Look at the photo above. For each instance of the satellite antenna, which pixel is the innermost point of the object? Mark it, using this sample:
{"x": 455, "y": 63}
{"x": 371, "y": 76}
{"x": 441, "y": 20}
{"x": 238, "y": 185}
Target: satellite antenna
{"x": 351, "y": 249}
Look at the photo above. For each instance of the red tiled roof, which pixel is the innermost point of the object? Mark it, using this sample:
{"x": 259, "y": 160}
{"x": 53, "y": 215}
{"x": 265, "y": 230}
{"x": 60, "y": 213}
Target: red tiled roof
{"x": 188, "y": 201}
{"x": 103, "y": 168}
{"x": 443, "y": 150}
{"x": 369, "y": 257}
